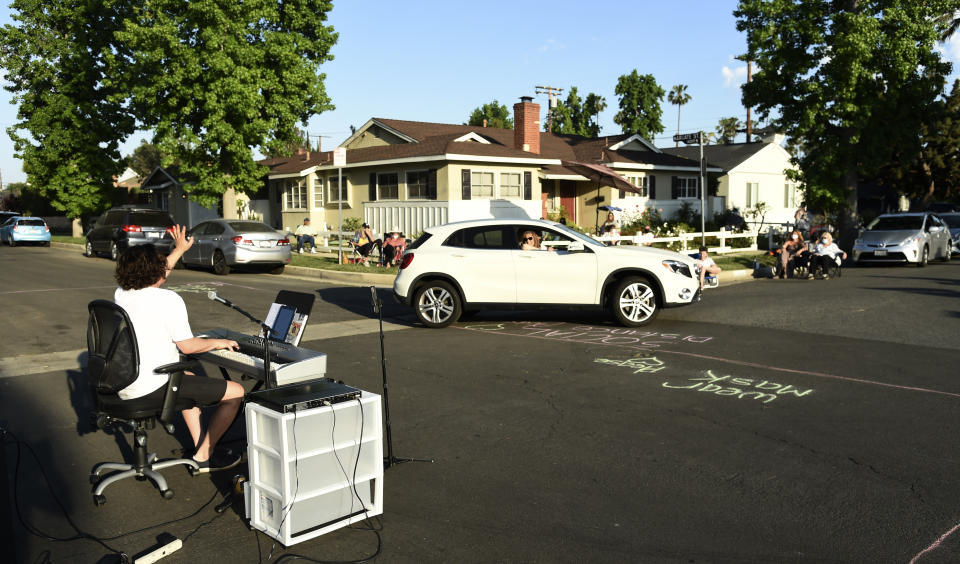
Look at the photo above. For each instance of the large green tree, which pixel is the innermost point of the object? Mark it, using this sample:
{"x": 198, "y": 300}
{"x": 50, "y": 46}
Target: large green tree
{"x": 216, "y": 79}
{"x": 496, "y": 115}
{"x": 71, "y": 118}
{"x": 639, "y": 101}
{"x": 145, "y": 158}
{"x": 578, "y": 116}
{"x": 850, "y": 81}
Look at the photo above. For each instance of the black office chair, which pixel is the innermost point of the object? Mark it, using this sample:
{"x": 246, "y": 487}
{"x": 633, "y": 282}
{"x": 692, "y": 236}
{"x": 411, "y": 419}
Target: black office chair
{"x": 112, "y": 364}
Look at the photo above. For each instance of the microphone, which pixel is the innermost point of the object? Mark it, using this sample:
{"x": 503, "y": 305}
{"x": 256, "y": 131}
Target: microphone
{"x": 374, "y": 299}
{"x": 213, "y": 296}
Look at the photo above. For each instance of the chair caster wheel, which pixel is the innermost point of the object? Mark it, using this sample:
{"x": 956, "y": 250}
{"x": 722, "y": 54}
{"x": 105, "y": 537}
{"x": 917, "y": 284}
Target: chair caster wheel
{"x": 99, "y": 500}
{"x": 167, "y": 494}
{"x": 141, "y": 478}
{"x": 94, "y": 479}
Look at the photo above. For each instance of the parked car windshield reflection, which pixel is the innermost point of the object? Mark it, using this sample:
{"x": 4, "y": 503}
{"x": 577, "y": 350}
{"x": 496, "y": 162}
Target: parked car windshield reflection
{"x": 896, "y": 223}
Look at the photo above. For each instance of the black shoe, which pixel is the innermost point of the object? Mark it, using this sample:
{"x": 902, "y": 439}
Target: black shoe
{"x": 218, "y": 461}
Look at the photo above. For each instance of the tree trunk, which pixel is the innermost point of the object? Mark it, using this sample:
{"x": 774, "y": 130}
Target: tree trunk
{"x": 848, "y": 217}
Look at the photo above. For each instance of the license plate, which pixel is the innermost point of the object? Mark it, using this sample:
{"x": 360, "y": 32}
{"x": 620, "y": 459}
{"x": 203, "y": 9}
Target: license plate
{"x": 153, "y": 235}
{"x": 265, "y": 244}
{"x": 880, "y": 252}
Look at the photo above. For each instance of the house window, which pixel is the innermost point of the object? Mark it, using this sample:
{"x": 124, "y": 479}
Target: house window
{"x": 510, "y": 185}
{"x": 687, "y": 187}
{"x": 753, "y": 194}
{"x": 789, "y": 195}
{"x": 334, "y": 195}
{"x": 481, "y": 184}
{"x": 417, "y": 185}
{"x": 318, "y": 193}
{"x": 296, "y": 195}
{"x": 642, "y": 184}
{"x": 388, "y": 187}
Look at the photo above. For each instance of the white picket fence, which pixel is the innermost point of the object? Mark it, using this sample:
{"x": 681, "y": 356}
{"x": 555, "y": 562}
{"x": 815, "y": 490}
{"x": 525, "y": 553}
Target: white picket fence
{"x": 690, "y": 241}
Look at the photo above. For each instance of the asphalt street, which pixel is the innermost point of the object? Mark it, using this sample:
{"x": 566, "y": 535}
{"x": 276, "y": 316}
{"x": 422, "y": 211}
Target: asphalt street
{"x": 775, "y": 421}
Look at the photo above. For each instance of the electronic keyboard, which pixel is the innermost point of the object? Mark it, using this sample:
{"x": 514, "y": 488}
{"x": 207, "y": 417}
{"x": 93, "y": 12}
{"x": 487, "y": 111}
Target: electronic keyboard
{"x": 288, "y": 363}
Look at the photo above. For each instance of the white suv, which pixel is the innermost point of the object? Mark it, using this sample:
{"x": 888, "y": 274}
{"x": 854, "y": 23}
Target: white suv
{"x": 473, "y": 265}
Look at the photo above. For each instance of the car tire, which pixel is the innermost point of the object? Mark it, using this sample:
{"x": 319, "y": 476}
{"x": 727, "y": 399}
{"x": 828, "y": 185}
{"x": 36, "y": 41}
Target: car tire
{"x": 924, "y": 257}
{"x": 220, "y": 266}
{"x": 436, "y": 304}
{"x": 88, "y": 250}
{"x": 114, "y": 251}
{"x": 947, "y": 250}
{"x": 11, "y": 241}
{"x": 634, "y": 302}
{"x": 277, "y": 270}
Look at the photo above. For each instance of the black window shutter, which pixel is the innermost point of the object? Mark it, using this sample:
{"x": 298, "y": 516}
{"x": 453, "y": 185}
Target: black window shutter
{"x": 527, "y": 186}
{"x": 674, "y": 187}
{"x": 653, "y": 187}
{"x": 372, "y": 187}
{"x": 465, "y": 183}
{"x": 432, "y": 184}
{"x": 621, "y": 196}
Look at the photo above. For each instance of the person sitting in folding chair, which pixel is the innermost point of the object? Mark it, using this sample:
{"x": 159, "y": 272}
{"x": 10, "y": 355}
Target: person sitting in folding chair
{"x": 826, "y": 255}
{"x": 366, "y": 242}
{"x": 393, "y": 247}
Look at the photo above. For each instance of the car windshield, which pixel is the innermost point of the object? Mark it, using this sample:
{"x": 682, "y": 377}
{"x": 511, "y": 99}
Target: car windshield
{"x": 573, "y": 233}
{"x": 251, "y": 227}
{"x": 897, "y": 223}
{"x": 150, "y": 219}
{"x": 952, "y": 220}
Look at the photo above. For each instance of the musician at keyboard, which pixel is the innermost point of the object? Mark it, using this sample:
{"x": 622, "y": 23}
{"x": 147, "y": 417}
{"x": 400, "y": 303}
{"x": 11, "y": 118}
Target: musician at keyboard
{"x": 159, "y": 318}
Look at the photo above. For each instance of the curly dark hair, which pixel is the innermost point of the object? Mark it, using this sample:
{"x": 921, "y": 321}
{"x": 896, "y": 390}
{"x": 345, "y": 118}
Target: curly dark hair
{"x": 140, "y": 267}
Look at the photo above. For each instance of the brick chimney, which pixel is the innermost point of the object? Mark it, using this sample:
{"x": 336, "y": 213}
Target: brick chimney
{"x": 526, "y": 125}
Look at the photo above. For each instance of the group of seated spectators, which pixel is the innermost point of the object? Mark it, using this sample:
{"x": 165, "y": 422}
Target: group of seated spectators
{"x": 796, "y": 253}
{"x": 364, "y": 241}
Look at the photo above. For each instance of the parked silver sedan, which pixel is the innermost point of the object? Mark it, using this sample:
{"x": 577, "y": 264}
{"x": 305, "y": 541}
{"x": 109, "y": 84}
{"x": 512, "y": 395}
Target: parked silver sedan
{"x": 904, "y": 237}
{"x": 224, "y": 243}
{"x": 953, "y": 223}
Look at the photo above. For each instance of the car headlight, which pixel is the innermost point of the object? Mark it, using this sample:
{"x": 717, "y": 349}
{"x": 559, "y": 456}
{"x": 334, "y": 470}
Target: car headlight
{"x": 910, "y": 240}
{"x": 678, "y": 267}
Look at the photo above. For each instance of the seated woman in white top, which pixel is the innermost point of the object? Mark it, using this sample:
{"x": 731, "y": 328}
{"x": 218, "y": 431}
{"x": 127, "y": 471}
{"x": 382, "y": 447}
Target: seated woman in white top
{"x": 825, "y": 254}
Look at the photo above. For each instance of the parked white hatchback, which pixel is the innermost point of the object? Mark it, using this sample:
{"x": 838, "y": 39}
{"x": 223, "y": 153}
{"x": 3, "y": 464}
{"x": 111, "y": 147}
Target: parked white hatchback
{"x": 473, "y": 265}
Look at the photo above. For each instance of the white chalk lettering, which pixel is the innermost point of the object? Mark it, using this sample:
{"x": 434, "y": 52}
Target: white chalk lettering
{"x": 764, "y": 391}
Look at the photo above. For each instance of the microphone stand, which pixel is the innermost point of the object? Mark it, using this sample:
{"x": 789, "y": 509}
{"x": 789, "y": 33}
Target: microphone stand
{"x": 390, "y": 459}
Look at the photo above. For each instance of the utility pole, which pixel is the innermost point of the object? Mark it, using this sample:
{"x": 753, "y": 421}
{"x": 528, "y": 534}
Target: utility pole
{"x": 749, "y": 124}
{"x": 551, "y": 93}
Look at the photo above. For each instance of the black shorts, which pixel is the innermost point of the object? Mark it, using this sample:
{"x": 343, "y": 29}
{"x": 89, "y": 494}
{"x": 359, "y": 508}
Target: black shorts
{"x": 194, "y": 391}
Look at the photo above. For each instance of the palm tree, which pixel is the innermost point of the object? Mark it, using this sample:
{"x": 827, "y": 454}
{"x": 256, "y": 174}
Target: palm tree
{"x": 679, "y": 97}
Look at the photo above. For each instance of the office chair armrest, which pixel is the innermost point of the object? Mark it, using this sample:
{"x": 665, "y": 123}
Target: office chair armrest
{"x": 170, "y": 401}
{"x": 175, "y": 367}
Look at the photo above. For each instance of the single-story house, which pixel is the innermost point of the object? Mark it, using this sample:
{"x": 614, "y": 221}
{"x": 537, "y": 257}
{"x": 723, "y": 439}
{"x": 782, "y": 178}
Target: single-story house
{"x": 413, "y": 175}
{"x": 163, "y": 189}
{"x": 753, "y": 173}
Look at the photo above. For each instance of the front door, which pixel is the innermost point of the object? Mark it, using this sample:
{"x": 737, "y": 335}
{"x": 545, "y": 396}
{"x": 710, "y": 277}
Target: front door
{"x": 568, "y": 198}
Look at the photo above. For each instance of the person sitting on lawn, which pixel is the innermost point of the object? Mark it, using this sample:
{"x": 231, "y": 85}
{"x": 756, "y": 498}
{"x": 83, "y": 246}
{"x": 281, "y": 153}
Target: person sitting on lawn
{"x": 366, "y": 242}
{"x": 792, "y": 254}
{"x": 306, "y": 234}
{"x": 393, "y": 247}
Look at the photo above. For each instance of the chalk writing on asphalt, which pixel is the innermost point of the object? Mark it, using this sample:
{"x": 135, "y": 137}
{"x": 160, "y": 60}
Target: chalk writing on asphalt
{"x": 196, "y": 287}
{"x": 740, "y": 388}
{"x": 631, "y": 338}
{"x": 638, "y": 365}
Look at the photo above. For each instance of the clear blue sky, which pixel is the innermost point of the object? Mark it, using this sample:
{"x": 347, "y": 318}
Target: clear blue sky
{"x": 433, "y": 60}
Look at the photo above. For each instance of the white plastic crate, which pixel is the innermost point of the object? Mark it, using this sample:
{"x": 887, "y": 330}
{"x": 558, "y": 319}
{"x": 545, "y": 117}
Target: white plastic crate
{"x": 314, "y": 471}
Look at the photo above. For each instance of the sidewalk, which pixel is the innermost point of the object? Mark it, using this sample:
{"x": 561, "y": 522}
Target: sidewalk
{"x": 386, "y": 280}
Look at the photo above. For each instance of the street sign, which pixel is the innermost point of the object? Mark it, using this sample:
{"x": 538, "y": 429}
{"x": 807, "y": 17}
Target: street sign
{"x": 688, "y": 137}
{"x": 340, "y": 157}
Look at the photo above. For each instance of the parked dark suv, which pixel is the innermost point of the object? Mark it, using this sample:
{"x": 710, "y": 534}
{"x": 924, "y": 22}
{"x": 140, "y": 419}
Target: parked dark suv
{"x": 129, "y": 226}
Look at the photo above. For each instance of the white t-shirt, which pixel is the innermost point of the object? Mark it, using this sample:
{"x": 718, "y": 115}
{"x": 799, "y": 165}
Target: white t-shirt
{"x": 159, "y": 318}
